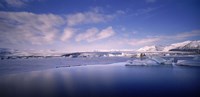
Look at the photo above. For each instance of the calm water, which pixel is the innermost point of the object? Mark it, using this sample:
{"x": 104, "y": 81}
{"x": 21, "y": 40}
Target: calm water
{"x": 103, "y": 80}
{"x": 34, "y": 64}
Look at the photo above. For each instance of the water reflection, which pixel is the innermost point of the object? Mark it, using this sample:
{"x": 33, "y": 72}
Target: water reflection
{"x": 102, "y": 80}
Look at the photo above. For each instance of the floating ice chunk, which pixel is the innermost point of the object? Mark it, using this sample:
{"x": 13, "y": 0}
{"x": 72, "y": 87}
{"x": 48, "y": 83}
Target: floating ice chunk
{"x": 171, "y": 61}
{"x": 144, "y": 62}
{"x": 159, "y": 60}
{"x": 168, "y": 62}
{"x": 151, "y": 61}
{"x": 189, "y": 62}
{"x": 196, "y": 58}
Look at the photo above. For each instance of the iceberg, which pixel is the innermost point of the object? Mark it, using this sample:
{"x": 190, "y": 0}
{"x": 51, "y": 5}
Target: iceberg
{"x": 138, "y": 62}
{"x": 194, "y": 62}
{"x": 151, "y": 61}
{"x": 157, "y": 61}
{"x": 188, "y": 63}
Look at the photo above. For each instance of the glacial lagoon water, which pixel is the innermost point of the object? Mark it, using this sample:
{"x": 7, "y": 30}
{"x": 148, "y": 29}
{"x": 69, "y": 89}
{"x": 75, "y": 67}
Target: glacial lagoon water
{"x": 111, "y": 80}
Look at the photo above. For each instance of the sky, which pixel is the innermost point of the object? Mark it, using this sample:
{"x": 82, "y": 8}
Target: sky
{"x": 88, "y": 25}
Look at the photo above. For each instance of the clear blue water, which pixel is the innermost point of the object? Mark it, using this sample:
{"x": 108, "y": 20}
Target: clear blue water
{"x": 113, "y": 80}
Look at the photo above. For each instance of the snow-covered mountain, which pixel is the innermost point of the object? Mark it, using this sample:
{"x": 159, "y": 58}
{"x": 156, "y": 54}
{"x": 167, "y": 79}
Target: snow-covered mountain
{"x": 191, "y": 45}
{"x": 176, "y": 45}
{"x": 182, "y": 46}
{"x": 151, "y": 48}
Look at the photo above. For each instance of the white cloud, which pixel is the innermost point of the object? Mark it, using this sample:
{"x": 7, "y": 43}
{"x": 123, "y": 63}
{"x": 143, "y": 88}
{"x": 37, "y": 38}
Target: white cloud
{"x": 145, "y": 11}
{"x": 150, "y": 1}
{"x": 94, "y": 34}
{"x": 119, "y": 12}
{"x": 187, "y": 34}
{"x": 68, "y": 33}
{"x": 18, "y": 3}
{"x": 105, "y": 33}
{"x": 180, "y": 36}
{"x": 87, "y": 17}
{"x": 15, "y": 3}
{"x": 31, "y": 28}
{"x": 142, "y": 42}
{"x": 1, "y": 5}
{"x": 159, "y": 39}
{"x": 88, "y": 35}
{"x": 27, "y": 27}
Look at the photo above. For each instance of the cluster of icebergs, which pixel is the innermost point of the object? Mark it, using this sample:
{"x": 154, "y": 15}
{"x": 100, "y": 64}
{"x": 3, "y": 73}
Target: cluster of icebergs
{"x": 156, "y": 61}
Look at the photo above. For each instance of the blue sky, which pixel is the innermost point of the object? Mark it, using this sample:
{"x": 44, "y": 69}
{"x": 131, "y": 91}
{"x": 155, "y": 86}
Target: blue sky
{"x": 74, "y": 25}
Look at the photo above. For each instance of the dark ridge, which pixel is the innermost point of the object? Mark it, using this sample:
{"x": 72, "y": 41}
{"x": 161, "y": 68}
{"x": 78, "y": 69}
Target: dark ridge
{"x": 187, "y": 50}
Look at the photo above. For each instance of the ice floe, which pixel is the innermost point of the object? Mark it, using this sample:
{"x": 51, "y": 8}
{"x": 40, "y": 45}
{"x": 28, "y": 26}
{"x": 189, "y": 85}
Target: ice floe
{"x": 156, "y": 60}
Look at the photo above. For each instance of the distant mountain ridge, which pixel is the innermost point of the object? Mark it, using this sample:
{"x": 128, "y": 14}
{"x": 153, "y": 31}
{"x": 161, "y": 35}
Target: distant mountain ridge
{"x": 6, "y": 51}
{"x": 14, "y": 52}
{"x": 182, "y": 46}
